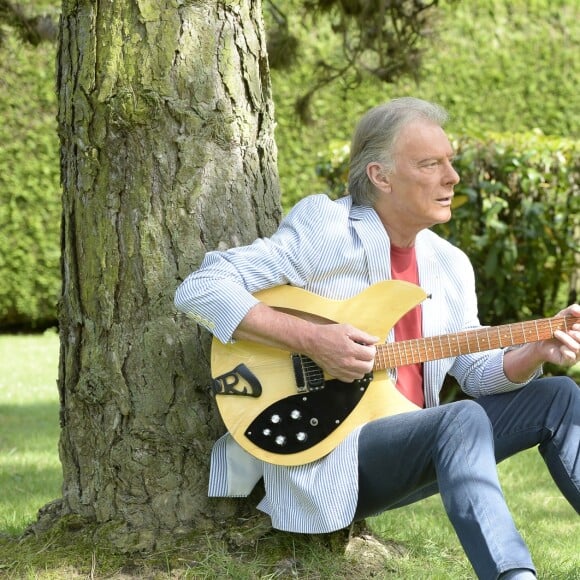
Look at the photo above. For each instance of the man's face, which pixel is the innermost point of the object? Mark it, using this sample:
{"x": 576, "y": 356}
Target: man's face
{"x": 421, "y": 185}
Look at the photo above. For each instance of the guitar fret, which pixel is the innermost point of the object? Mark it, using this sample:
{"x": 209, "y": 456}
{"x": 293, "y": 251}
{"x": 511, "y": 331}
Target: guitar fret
{"x": 441, "y": 346}
{"x": 381, "y": 355}
{"x": 429, "y": 349}
{"x": 486, "y": 340}
{"x": 395, "y": 354}
{"x": 411, "y": 350}
{"x": 392, "y": 355}
{"x": 518, "y": 333}
{"x": 386, "y": 357}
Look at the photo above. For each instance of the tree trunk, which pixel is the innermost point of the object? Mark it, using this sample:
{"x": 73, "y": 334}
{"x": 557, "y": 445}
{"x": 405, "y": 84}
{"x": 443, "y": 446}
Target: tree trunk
{"x": 167, "y": 151}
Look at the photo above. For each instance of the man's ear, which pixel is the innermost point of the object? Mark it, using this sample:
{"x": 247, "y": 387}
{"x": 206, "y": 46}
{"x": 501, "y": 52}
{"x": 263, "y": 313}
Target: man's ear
{"x": 378, "y": 176}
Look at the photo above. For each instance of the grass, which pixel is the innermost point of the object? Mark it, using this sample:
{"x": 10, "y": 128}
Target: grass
{"x": 30, "y": 477}
{"x": 30, "y": 473}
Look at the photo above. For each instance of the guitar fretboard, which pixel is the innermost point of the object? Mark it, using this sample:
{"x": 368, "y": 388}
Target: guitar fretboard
{"x": 406, "y": 352}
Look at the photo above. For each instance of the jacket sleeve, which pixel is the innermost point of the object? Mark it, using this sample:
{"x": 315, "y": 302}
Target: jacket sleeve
{"x": 220, "y": 293}
{"x": 480, "y": 373}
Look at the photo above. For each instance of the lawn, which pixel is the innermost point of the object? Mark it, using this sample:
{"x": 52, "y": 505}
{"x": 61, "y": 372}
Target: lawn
{"x": 30, "y": 472}
{"x": 30, "y": 477}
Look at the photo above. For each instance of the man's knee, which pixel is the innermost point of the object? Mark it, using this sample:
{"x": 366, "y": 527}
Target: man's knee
{"x": 570, "y": 387}
{"x": 560, "y": 389}
{"x": 471, "y": 415}
{"x": 472, "y": 410}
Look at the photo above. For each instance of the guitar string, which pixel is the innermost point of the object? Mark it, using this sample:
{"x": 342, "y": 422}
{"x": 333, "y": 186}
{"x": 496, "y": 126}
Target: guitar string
{"x": 409, "y": 351}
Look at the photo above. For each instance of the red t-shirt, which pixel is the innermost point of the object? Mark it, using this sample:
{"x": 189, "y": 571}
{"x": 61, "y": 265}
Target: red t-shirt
{"x": 409, "y": 377}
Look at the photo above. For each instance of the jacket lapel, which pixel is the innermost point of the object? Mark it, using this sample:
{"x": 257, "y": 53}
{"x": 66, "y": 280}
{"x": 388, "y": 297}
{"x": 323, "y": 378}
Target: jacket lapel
{"x": 377, "y": 248}
{"x": 430, "y": 281}
{"x": 374, "y": 240}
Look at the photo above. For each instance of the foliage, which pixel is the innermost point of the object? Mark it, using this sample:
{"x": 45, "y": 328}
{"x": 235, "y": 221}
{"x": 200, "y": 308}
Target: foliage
{"x": 513, "y": 66}
{"x": 29, "y": 188}
{"x": 31, "y": 29}
{"x": 521, "y": 227}
{"x": 497, "y": 65}
{"x": 521, "y": 224}
{"x": 384, "y": 40}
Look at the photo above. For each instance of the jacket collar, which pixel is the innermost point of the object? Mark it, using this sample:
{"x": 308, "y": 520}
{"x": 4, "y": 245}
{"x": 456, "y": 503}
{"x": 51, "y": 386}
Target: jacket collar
{"x": 377, "y": 248}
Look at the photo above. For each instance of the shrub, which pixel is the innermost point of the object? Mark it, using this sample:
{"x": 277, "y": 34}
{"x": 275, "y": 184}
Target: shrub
{"x": 499, "y": 64}
{"x": 29, "y": 188}
{"x": 520, "y": 225}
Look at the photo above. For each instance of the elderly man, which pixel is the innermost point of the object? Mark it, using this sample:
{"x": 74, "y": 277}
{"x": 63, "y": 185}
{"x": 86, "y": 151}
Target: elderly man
{"x": 401, "y": 183}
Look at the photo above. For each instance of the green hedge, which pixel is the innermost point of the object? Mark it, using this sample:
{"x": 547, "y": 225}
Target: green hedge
{"x": 521, "y": 225}
{"x": 497, "y": 65}
{"x": 29, "y": 188}
{"x": 519, "y": 221}
{"x": 508, "y": 65}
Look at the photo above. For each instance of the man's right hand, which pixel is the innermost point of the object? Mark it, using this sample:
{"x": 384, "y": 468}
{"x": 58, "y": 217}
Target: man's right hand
{"x": 344, "y": 352}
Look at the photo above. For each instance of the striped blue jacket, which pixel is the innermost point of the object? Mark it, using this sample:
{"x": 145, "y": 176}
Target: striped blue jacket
{"x": 336, "y": 250}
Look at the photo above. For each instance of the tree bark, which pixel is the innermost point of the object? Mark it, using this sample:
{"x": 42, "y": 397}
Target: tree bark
{"x": 167, "y": 151}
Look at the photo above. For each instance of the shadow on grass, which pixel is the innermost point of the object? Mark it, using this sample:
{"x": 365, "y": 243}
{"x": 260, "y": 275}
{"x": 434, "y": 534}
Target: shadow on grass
{"x": 29, "y": 426}
{"x": 30, "y": 470}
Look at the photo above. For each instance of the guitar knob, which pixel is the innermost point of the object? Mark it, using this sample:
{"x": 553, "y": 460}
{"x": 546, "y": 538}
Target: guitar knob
{"x": 275, "y": 419}
{"x": 301, "y": 436}
{"x": 296, "y": 414}
{"x": 267, "y": 432}
{"x": 281, "y": 440}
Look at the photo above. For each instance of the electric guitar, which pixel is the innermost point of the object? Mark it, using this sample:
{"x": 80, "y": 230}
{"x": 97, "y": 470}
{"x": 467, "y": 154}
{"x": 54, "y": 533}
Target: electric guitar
{"x": 282, "y": 408}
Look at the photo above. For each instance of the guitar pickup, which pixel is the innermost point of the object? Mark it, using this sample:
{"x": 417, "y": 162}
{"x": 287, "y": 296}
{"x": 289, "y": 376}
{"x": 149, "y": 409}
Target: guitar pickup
{"x": 307, "y": 374}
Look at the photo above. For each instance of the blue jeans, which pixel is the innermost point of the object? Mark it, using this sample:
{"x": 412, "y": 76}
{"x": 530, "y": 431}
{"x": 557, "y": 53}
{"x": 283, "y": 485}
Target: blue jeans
{"x": 453, "y": 450}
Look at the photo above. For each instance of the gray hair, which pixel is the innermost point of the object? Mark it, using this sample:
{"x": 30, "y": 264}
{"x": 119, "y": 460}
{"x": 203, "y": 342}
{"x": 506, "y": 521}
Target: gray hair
{"x": 374, "y": 140}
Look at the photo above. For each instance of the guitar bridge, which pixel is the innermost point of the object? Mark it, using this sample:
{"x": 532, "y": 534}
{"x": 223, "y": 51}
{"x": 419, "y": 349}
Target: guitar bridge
{"x": 307, "y": 374}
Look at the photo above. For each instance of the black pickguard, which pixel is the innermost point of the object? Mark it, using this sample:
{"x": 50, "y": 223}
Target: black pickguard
{"x": 300, "y": 421}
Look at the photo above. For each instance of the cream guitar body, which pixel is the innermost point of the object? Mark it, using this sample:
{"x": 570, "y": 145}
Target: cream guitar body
{"x": 282, "y": 408}
{"x": 375, "y": 310}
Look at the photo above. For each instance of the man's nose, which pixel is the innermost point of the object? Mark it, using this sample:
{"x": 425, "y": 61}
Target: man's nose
{"x": 452, "y": 176}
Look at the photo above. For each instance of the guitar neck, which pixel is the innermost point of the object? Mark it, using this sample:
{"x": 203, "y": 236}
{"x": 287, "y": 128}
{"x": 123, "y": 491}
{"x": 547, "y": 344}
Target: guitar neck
{"x": 406, "y": 352}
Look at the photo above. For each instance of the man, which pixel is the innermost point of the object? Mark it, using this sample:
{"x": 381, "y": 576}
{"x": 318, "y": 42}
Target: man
{"x": 400, "y": 184}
